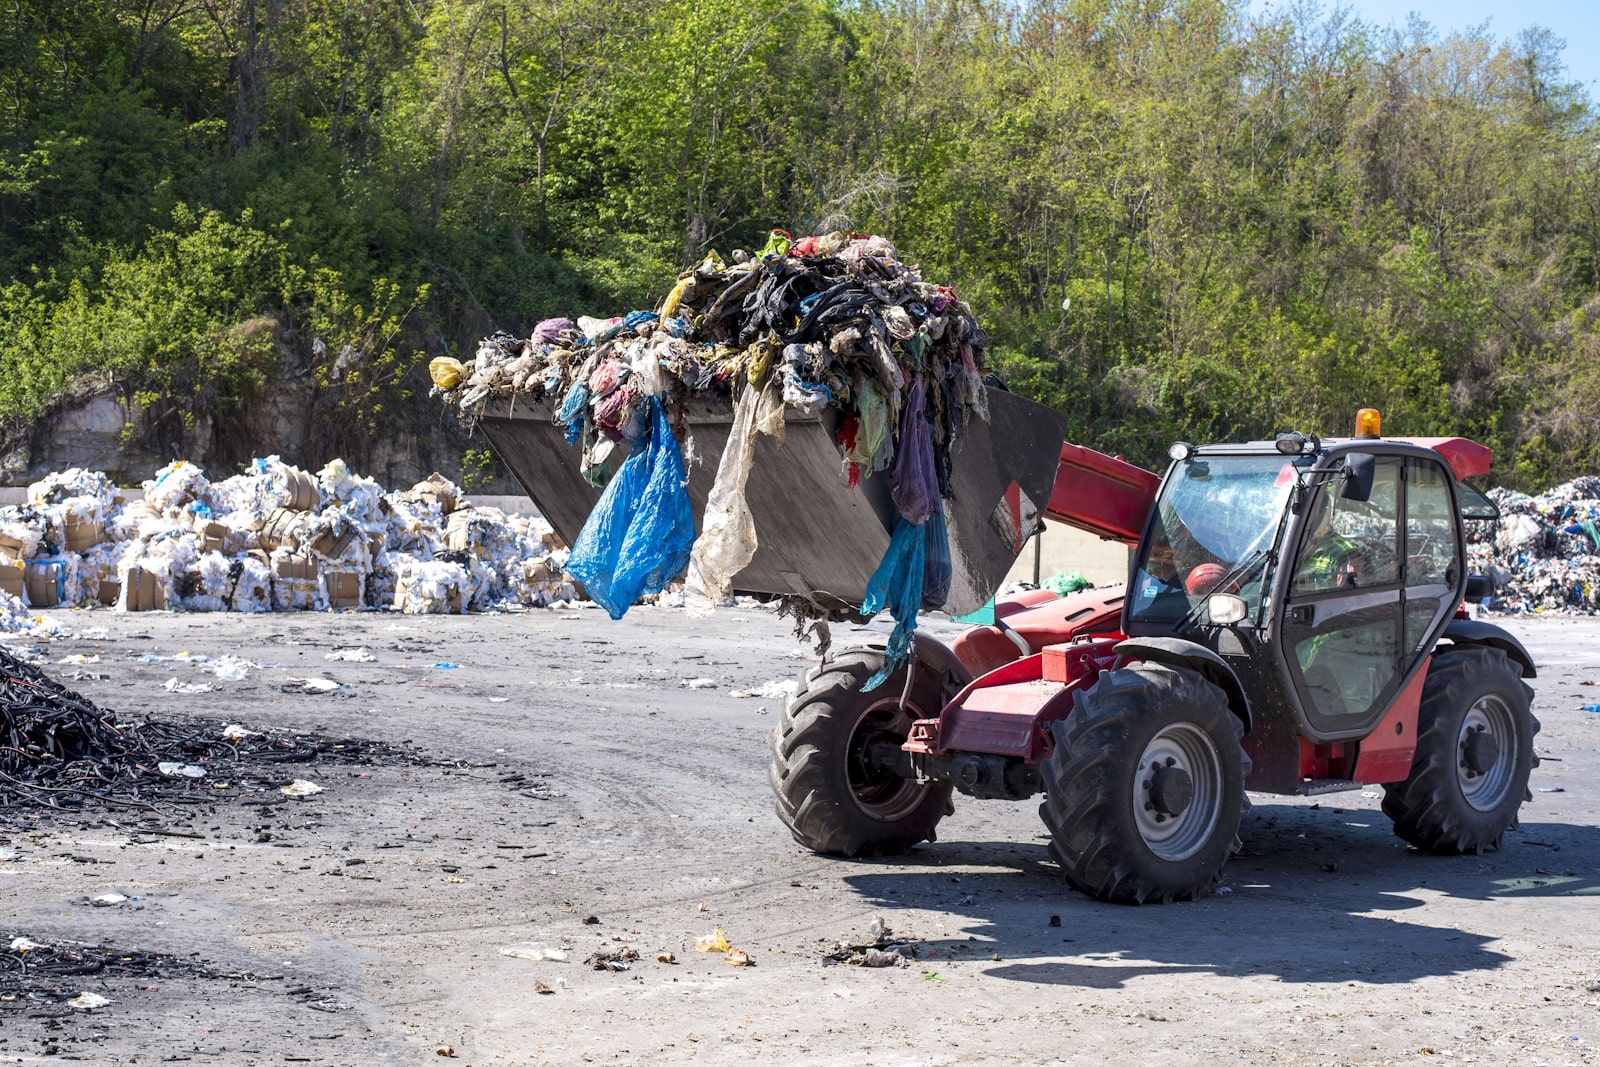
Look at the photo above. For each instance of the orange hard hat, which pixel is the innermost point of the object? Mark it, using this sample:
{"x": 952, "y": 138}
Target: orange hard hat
{"x": 1205, "y": 578}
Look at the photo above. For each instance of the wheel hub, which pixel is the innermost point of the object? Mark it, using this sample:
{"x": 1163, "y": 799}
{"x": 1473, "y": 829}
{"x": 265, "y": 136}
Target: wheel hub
{"x": 1171, "y": 790}
{"x": 1486, "y": 749}
{"x": 1480, "y": 752}
{"x": 1177, "y": 791}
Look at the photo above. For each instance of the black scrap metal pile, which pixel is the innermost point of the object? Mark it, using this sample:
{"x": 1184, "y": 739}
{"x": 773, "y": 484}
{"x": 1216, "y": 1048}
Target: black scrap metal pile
{"x": 44, "y": 974}
{"x": 59, "y": 750}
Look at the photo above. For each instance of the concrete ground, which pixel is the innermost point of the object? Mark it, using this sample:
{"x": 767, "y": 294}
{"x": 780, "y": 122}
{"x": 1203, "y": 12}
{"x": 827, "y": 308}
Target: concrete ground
{"x": 599, "y": 803}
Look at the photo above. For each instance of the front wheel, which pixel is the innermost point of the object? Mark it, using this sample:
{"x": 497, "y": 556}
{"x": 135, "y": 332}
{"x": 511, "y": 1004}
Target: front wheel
{"x": 829, "y": 794}
{"x": 1144, "y": 790}
{"x": 1474, "y": 754}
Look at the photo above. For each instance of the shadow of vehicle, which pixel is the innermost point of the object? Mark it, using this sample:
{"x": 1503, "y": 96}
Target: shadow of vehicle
{"x": 1318, "y": 895}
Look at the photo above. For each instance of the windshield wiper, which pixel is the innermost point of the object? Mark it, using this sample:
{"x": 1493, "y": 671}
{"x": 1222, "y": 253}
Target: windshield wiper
{"x": 1240, "y": 570}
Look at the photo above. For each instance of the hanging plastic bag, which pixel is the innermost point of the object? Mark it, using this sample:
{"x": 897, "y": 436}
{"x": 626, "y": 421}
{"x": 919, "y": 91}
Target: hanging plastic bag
{"x": 937, "y": 567}
{"x": 727, "y": 539}
{"x": 897, "y": 585}
{"x": 638, "y": 537}
{"x": 572, "y": 411}
{"x": 916, "y": 480}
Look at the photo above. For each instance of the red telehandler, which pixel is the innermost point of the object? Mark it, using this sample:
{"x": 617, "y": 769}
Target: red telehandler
{"x": 1292, "y": 623}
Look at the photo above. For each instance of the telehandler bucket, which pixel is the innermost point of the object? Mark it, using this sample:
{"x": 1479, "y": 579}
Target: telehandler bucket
{"x": 819, "y": 538}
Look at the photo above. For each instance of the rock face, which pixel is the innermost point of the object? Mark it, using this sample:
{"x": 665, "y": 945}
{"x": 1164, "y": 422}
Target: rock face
{"x": 89, "y": 432}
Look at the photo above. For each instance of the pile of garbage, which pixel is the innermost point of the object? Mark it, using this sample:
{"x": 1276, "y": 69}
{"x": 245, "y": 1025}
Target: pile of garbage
{"x": 1544, "y": 553}
{"x": 833, "y": 322}
{"x": 271, "y": 538}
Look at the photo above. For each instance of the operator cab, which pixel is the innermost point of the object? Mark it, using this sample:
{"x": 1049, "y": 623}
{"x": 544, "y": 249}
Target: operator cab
{"x": 1323, "y": 571}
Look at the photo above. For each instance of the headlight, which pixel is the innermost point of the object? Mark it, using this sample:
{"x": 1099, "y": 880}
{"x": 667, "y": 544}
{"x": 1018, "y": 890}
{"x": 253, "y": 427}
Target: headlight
{"x": 1225, "y": 609}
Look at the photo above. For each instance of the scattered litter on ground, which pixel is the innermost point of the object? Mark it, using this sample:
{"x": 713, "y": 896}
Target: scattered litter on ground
{"x": 699, "y": 683}
{"x": 351, "y": 655}
{"x": 881, "y": 949}
{"x": 190, "y": 688}
{"x": 231, "y": 668}
{"x": 737, "y": 958}
{"x": 180, "y": 770}
{"x": 108, "y": 900}
{"x": 312, "y": 686}
{"x": 538, "y": 950}
{"x": 779, "y": 690}
{"x": 715, "y": 941}
{"x": 301, "y": 788}
{"x": 617, "y": 959}
{"x": 88, "y": 1001}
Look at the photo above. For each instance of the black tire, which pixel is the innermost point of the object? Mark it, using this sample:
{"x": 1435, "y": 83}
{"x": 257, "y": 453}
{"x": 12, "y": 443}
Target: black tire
{"x": 1463, "y": 795}
{"x": 827, "y": 798}
{"x": 1125, "y": 851}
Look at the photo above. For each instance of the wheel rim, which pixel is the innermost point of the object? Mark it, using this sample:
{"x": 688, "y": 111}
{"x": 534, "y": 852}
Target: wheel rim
{"x": 1178, "y": 751}
{"x": 1489, "y": 727}
{"x": 887, "y": 797}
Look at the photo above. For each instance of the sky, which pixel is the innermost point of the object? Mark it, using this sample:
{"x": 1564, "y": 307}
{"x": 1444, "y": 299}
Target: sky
{"x": 1578, "y": 21}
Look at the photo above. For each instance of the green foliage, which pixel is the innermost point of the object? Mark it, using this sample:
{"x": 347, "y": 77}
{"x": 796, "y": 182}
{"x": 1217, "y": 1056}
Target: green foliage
{"x": 1175, "y": 219}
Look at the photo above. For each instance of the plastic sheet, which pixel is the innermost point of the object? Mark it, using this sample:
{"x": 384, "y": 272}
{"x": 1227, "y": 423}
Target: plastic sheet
{"x": 937, "y": 566}
{"x": 897, "y": 586}
{"x": 916, "y": 480}
{"x": 728, "y": 538}
{"x": 638, "y": 537}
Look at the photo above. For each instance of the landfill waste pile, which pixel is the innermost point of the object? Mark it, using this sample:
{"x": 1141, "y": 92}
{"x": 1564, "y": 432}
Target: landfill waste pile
{"x": 60, "y": 751}
{"x": 1543, "y": 555}
{"x": 835, "y": 321}
{"x": 271, "y": 538}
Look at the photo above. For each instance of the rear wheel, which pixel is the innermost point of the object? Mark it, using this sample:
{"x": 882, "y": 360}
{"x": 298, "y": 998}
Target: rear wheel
{"x": 1474, "y": 754}
{"x": 829, "y": 794}
{"x": 1144, "y": 790}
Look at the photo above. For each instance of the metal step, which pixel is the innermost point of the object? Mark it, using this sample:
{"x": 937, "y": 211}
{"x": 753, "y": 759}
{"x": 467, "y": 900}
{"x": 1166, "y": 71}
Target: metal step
{"x": 1319, "y": 786}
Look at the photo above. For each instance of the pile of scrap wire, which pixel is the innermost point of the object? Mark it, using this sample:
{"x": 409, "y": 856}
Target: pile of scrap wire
{"x": 35, "y": 973}
{"x": 1544, "y": 553}
{"x": 58, "y": 750}
{"x": 835, "y": 321}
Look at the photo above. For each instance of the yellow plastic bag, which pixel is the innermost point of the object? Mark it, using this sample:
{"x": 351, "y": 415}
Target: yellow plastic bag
{"x": 715, "y": 941}
{"x": 446, "y": 372}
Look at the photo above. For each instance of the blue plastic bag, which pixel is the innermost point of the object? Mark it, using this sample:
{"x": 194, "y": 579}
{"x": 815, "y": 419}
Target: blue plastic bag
{"x": 638, "y": 537}
{"x": 897, "y": 585}
{"x": 574, "y": 410}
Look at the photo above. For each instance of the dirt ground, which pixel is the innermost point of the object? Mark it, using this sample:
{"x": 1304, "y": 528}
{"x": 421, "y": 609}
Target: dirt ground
{"x": 602, "y": 804}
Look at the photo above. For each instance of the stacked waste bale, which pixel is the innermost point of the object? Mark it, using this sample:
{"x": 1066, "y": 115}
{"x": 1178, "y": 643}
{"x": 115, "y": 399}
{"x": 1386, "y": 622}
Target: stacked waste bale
{"x": 1543, "y": 555}
{"x": 836, "y": 321}
{"x": 273, "y": 537}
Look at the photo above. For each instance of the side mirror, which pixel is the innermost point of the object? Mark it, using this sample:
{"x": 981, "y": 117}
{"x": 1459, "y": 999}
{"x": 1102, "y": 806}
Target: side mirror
{"x": 1359, "y": 471}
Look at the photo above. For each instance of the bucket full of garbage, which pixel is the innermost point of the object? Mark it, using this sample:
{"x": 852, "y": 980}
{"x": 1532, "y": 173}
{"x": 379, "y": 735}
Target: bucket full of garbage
{"x": 813, "y": 421}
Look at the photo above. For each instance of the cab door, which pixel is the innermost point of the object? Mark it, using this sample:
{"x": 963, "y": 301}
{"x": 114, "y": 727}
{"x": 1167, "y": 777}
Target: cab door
{"x": 1343, "y": 628}
{"x": 1432, "y": 558}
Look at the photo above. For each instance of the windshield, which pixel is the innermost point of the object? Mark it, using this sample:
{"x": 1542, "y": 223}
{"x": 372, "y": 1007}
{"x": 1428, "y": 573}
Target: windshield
{"x": 1215, "y": 514}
